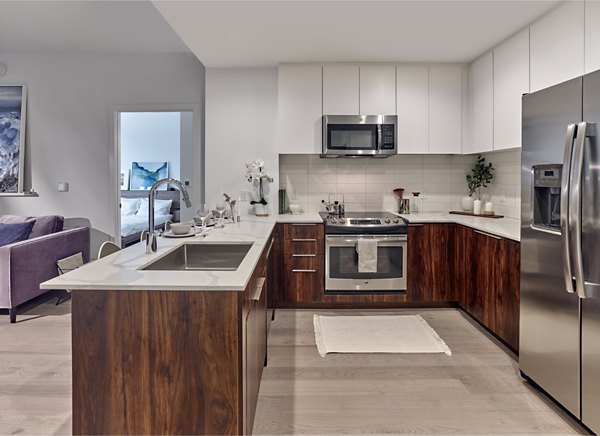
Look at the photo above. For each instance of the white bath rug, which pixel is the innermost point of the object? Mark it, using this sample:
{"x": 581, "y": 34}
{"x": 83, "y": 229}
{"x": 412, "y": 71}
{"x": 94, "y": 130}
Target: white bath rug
{"x": 376, "y": 334}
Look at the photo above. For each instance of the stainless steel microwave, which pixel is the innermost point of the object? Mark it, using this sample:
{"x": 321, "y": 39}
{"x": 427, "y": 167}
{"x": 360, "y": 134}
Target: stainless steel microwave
{"x": 360, "y": 135}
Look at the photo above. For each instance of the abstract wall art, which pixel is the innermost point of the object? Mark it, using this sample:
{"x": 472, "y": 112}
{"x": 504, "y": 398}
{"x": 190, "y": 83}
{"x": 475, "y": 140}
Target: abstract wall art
{"x": 12, "y": 138}
{"x": 145, "y": 174}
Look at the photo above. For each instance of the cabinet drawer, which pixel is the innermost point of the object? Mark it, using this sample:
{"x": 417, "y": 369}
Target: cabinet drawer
{"x": 304, "y": 231}
{"x": 303, "y": 247}
{"x": 304, "y": 278}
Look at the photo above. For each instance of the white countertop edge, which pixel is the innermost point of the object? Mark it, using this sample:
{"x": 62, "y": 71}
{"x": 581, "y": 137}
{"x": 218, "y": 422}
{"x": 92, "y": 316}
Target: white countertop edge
{"x": 509, "y": 228}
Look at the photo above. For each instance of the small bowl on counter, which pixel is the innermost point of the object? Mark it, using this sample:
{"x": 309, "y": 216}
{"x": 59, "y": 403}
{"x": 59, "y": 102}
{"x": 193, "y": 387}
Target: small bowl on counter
{"x": 180, "y": 228}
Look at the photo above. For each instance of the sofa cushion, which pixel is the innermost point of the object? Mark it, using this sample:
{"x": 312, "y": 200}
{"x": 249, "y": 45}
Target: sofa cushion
{"x": 45, "y": 225}
{"x": 16, "y": 232}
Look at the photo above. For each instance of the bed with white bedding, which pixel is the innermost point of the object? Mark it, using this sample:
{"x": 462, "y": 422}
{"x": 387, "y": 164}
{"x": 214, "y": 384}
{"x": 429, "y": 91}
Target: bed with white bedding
{"x": 134, "y": 213}
{"x": 132, "y": 224}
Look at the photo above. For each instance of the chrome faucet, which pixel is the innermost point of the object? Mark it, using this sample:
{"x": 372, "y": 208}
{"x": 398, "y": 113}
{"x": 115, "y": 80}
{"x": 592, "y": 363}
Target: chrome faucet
{"x": 151, "y": 236}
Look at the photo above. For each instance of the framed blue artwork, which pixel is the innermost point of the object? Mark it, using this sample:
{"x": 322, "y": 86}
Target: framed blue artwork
{"x": 145, "y": 174}
{"x": 12, "y": 137}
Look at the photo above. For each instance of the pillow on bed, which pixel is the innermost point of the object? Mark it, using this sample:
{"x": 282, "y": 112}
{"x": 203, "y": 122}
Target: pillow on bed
{"x": 129, "y": 206}
{"x": 161, "y": 207}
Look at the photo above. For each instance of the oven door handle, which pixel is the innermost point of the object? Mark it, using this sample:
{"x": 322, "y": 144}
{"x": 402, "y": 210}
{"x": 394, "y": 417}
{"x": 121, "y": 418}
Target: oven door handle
{"x": 353, "y": 238}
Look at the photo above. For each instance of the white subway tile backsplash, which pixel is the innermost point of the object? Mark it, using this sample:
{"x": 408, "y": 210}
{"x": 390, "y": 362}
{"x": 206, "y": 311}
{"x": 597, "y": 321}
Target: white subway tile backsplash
{"x": 367, "y": 184}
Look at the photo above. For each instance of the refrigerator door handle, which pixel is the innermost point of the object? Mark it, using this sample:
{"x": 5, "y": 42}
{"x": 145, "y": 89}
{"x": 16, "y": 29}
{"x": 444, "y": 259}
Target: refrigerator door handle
{"x": 564, "y": 208}
{"x": 575, "y": 208}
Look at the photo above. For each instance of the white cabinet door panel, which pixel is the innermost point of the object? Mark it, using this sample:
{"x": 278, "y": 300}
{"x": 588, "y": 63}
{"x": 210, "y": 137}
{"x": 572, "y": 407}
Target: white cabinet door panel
{"x": 557, "y": 46}
{"x": 300, "y": 109}
{"x": 377, "y": 90}
{"x": 445, "y": 109}
{"x": 592, "y": 36}
{"x": 412, "y": 107}
{"x": 340, "y": 90}
{"x": 481, "y": 75}
{"x": 511, "y": 81}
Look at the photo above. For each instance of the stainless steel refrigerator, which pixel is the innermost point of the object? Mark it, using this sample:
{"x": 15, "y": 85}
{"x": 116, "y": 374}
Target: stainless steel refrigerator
{"x": 560, "y": 245}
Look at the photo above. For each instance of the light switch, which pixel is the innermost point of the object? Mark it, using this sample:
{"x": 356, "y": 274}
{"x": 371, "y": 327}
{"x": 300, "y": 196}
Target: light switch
{"x": 63, "y": 187}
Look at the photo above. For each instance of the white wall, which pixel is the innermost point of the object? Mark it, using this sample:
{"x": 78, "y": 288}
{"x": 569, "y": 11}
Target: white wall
{"x": 68, "y": 127}
{"x": 241, "y": 122}
{"x": 186, "y": 167}
{"x": 367, "y": 184}
{"x": 150, "y": 137}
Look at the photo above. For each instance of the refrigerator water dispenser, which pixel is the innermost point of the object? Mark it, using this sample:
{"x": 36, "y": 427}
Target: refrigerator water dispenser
{"x": 546, "y": 196}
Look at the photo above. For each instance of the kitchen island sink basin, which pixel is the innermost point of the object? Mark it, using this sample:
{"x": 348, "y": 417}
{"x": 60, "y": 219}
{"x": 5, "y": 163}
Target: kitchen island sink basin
{"x": 202, "y": 257}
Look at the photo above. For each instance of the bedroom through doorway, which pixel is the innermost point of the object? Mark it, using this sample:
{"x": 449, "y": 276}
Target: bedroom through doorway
{"x": 152, "y": 145}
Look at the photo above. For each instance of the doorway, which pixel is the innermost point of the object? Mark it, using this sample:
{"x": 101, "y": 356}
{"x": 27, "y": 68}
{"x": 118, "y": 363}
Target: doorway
{"x": 152, "y": 144}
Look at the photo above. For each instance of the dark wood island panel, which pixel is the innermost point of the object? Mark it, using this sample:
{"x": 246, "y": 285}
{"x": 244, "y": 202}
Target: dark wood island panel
{"x": 156, "y": 362}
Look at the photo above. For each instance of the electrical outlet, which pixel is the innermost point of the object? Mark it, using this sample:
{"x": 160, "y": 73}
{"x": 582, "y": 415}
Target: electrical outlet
{"x": 502, "y": 197}
{"x": 244, "y": 196}
{"x": 293, "y": 195}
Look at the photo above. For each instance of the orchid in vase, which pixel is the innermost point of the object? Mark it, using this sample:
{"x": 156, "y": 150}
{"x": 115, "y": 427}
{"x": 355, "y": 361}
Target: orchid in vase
{"x": 255, "y": 174}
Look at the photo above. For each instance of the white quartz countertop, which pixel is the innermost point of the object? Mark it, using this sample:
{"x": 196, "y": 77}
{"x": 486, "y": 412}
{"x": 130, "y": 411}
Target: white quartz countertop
{"x": 121, "y": 270}
{"x": 505, "y": 227}
{"x": 301, "y": 218}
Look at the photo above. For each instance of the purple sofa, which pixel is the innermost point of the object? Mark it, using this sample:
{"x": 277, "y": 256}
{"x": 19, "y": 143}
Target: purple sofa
{"x": 26, "y": 264}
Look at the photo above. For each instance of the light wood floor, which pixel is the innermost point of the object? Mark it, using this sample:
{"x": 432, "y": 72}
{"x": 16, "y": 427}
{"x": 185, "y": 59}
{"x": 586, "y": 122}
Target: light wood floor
{"x": 476, "y": 390}
{"x": 35, "y": 370}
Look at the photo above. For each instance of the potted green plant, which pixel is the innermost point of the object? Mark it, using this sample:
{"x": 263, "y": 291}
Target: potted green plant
{"x": 256, "y": 174}
{"x": 481, "y": 176}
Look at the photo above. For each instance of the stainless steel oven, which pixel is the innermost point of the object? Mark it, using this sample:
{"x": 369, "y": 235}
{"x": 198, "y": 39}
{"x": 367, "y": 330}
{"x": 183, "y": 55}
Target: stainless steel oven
{"x": 341, "y": 264}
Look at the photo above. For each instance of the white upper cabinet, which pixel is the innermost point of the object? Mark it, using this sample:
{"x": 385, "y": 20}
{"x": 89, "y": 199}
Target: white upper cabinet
{"x": 412, "y": 107}
{"x": 557, "y": 47}
{"x": 592, "y": 36}
{"x": 300, "y": 109}
{"x": 445, "y": 109}
{"x": 481, "y": 87}
{"x": 377, "y": 90}
{"x": 340, "y": 90}
{"x": 511, "y": 81}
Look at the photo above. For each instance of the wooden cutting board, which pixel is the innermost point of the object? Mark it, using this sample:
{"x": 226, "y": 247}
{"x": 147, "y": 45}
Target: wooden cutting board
{"x": 457, "y": 212}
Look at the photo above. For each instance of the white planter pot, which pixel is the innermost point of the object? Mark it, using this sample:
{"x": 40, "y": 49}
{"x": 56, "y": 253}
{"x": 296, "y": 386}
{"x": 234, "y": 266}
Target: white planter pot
{"x": 467, "y": 203}
{"x": 477, "y": 207}
{"x": 261, "y": 209}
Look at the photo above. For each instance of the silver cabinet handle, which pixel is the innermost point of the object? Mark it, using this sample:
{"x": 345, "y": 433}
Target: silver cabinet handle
{"x": 304, "y": 240}
{"x": 304, "y": 270}
{"x": 488, "y": 234}
{"x": 270, "y": 247}
{"x": 304, "y": 255}
{"x": 305, "y": 224}
{"x": 564, "y": 207}
{"x": 575, "y": 207}
{"x": 259, "y": 288}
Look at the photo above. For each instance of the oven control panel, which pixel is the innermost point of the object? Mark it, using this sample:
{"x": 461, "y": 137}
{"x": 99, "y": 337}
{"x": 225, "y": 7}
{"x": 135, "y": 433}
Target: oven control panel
{"x": 365, "y": 223}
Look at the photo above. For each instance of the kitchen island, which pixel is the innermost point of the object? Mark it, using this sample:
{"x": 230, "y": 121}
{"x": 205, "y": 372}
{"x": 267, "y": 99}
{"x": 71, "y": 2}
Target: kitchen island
{"x": 169, "y": 352}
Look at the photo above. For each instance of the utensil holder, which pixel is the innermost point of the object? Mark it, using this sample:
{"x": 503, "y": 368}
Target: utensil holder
{"x": 404, "y": 205}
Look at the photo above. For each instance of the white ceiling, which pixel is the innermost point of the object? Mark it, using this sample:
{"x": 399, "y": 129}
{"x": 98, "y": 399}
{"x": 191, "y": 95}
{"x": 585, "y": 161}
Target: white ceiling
{"x": 85, "y": 27}
{"x": 266, "y": 33}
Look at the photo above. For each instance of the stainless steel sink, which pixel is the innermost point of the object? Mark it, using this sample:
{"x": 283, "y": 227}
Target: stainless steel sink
{"x": 202, "y": 257}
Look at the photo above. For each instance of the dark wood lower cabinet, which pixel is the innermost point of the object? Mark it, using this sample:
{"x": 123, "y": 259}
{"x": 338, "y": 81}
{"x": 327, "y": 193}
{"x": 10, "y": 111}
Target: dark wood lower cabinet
{"x": 430, "y": 263}
{"x": 489, "y": 281}
{"x": 303, "y": 278}
{"x": 447, "y": 264}
{"x": 507, "y": 297}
